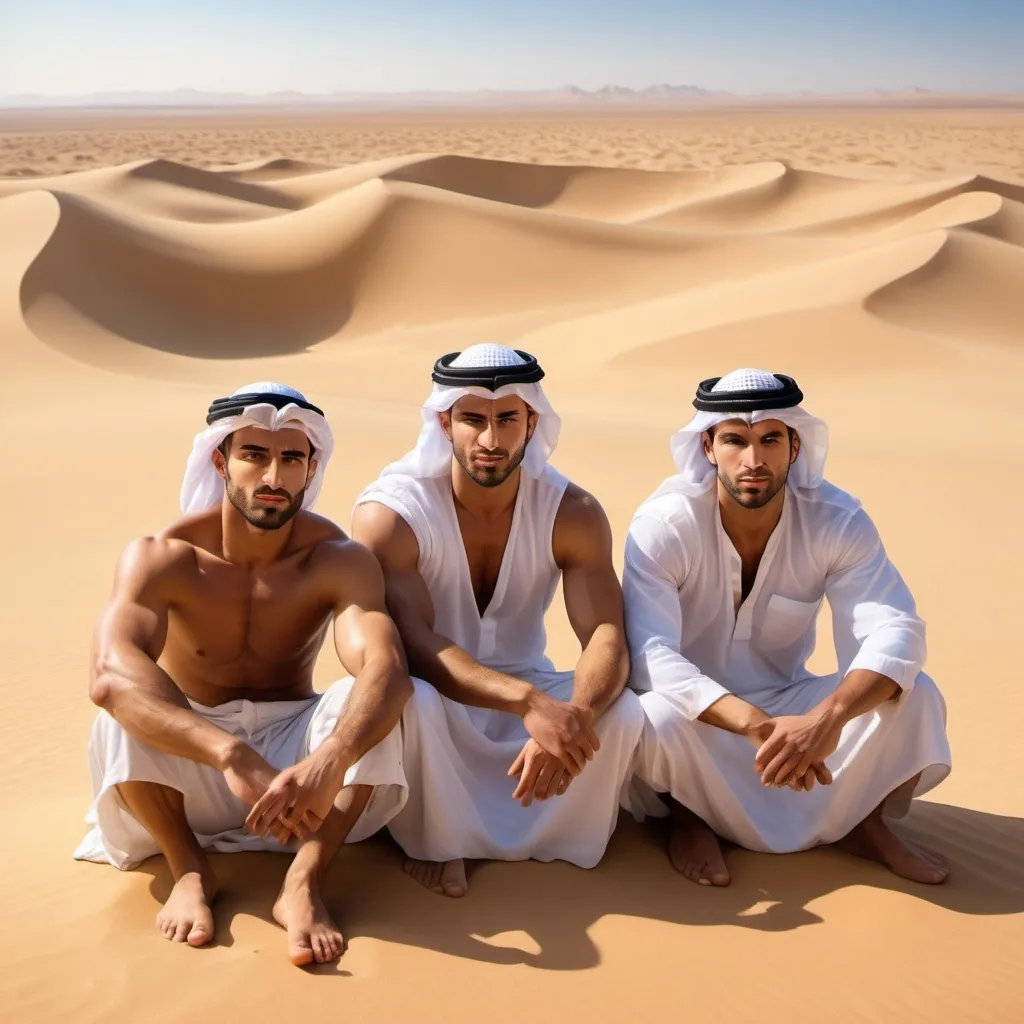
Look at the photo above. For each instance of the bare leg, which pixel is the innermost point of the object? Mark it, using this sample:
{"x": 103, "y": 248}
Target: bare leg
{"x": 446, "y": 878}
{"x": 873, "y": 839}
{"x": 694, "y": 849}
{"x": 186, "y": 916}
{"x": 312, "y": 934}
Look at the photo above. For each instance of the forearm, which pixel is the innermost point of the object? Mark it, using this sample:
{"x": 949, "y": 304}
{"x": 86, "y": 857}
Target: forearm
{"x": 460, "y": 677}
{"x": 601, "y": 672}
{"x": 857, "y": 694}
{"x": 148, "y": 705}
{"x": 735, "y": 715}
{"x": 374, "y": 706}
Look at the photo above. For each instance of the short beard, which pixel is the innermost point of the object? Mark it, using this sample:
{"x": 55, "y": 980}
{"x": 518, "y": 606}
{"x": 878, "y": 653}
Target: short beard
{"x": 491, "y": 476}
{"x": 757, "y": 499}
{"x": 260, "y": 516}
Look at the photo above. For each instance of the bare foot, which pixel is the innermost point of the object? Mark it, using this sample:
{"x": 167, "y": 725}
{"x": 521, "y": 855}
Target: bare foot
{"x": 186, "y": 916}
{"x": 694, "y": 850}
{"x": 447, "y": 878}
{"x": 312, "y": 934}
{"x": 874, "y": 840}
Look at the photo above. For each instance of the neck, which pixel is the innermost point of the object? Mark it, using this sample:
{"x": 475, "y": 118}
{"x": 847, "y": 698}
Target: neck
{"x": 749, "y": 528}
{"x": 484, "y": 502}
{"x": 246, "y": 545}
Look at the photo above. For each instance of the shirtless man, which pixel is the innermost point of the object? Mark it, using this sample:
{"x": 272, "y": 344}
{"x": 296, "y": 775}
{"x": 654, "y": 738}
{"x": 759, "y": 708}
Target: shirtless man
{"x": 210, "y": 734}
{"x": 474, "y": 529}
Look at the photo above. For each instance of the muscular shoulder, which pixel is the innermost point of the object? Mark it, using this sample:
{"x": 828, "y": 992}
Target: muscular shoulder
{"x": 581, "y": 526}
{"x": 344, "y": 569}
{"x": 386, "y": 533}
{"x": 154, "y": 566}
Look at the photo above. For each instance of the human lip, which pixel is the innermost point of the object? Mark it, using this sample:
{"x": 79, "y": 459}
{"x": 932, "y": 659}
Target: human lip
{"x": 754, "y": 479}
{"x": 273, "y": 499}
{"x": 489, "y": 460}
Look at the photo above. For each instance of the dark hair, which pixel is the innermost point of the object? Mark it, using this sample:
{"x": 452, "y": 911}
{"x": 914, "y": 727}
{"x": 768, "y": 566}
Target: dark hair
{"x": 225, "y": 446}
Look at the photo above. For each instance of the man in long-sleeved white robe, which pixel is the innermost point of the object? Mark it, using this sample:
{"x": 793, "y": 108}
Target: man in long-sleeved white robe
{"x": 708, "y": 638}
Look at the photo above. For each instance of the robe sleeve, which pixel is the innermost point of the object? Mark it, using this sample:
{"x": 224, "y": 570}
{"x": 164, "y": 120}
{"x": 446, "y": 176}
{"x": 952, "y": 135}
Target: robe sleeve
{"x": 654, "y": 570}
{"x": 875, "y": 621}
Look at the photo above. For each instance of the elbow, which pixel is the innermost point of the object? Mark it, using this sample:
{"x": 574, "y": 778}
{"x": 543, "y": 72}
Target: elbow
{"x": 399, "y": 686}
{"x": 103, "y": 686}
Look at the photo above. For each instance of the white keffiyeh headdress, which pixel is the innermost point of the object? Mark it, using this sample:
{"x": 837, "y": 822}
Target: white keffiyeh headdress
{"x": 748, "y": 395}
{"x": 486, "y": 371}
{"x": 267, "y": 405}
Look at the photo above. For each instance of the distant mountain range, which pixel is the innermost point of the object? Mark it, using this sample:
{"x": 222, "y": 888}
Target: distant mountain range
{"x": 568, "y": 96}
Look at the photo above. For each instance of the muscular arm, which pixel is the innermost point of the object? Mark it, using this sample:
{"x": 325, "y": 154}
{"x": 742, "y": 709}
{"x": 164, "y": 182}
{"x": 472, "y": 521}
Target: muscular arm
{"x": 370, "y": 650}
{"x": 563, "y": 731}
{"x": 125, "y": 679}
{"x": 582, "y": 545}
{"x": 433, "y": 657}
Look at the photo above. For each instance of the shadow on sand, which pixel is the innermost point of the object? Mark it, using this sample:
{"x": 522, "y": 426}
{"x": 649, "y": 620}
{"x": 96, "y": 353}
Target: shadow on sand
{"x": 555, "y": 904}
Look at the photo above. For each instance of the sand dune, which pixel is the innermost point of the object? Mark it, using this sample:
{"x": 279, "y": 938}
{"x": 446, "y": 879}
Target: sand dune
{"x": 134, "y": 292}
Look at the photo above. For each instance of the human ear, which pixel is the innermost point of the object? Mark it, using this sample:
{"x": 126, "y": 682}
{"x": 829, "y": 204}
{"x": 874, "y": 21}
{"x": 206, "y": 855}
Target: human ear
{"x": 531, "y": 423}
{"x": 709, "y": 450}
{"x": 311, "y": 471}
{"x": 794, "y": 448}
{"x": 219, "y": 463}
{"x": 445, "y": 419}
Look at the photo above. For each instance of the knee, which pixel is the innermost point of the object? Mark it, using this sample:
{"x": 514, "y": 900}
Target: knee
{"x": 661, "y": 715}
{"x": 926, "y": 698}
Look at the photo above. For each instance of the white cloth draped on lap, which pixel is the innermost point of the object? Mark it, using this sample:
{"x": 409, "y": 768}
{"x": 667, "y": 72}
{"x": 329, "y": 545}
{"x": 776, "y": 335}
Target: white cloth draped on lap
{"x": 457, "y": 757}
{"x": 282, "y": 732}
{"x": 693, "y": 639}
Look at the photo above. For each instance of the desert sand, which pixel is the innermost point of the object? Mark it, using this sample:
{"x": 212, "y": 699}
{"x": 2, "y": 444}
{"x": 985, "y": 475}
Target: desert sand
{"x": 878, "y": 256}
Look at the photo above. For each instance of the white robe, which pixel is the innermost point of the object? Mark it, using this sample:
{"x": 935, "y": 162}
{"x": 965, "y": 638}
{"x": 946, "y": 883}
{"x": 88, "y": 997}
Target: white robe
{"x": 692, "y": 641}
{"x": 282, "y": 732}
{"x": 457, "y": 757}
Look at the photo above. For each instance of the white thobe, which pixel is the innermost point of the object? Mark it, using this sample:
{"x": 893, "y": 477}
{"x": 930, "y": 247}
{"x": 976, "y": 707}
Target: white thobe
{"x": 457, "y": 757}
{"x": 281, "y": 732}
{"x": 693, "y": 640}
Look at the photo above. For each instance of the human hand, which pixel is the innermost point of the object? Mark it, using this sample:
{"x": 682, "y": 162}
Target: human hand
{"x": 248, "y": 775}
{"x": 300, "y": 797}
{"x": 562, "y": 730}
{"x": 541, "y": 774}
{"x": 793, "y": 749}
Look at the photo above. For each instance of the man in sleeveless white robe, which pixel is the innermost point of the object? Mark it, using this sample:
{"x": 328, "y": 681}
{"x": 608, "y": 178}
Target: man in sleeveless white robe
{"x": 726, "y": 567}
{"x": 506, "y": 758}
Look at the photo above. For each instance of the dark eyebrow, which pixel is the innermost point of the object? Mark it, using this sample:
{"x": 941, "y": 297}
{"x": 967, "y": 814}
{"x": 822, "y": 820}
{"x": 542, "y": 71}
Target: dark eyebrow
{"x": 253, "y": 448}
{"x": 294, "y": 452}
{"x": 771, "y": 433}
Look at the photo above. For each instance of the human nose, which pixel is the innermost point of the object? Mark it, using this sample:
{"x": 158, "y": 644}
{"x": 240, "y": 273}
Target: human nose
{"x": 272, "y": 474}
{"x": 488, "y": 439}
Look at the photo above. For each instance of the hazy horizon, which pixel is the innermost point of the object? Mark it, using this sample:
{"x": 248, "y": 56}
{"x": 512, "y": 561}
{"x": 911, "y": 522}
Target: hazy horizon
{"x": 65, "y": 49}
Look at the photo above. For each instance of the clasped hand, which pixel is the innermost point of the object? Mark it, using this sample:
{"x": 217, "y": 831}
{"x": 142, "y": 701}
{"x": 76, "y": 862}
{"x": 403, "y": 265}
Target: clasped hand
{"x": 792, "y": 750}
{"x": 562, "y": 741}
{"x": 290, "y": 803}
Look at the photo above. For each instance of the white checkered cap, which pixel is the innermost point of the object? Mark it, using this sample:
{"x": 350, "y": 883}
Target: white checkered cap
{"x": 487, "y": 355}
{"x": 748, "y": 380}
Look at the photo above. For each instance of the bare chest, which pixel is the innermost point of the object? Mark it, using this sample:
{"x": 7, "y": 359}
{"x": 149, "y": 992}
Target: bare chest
{"x": 248, "y": 628}
{"x": 485, "y": 545}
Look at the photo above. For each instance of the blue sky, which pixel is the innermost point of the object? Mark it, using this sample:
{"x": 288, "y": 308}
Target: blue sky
{"x": 81, "y": 46}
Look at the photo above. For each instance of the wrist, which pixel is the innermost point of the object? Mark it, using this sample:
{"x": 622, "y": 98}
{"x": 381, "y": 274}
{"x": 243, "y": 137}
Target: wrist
{"x": 333, "y": 753}
{"x": 756, "y": 725}
{"x": 230, "y": 754}
{"x": 529, "y": 699}
{"x": 832, "y": 711}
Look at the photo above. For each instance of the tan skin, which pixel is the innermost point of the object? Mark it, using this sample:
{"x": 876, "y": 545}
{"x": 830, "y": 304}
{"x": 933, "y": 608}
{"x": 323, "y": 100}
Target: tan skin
{"x": 752, "y": 463}
{"x": 214, "y": 609}
{"x": 486, "y": 437}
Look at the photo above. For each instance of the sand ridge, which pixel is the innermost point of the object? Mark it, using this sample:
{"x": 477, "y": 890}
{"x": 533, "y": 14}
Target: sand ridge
{"x": 134, "y": 291}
